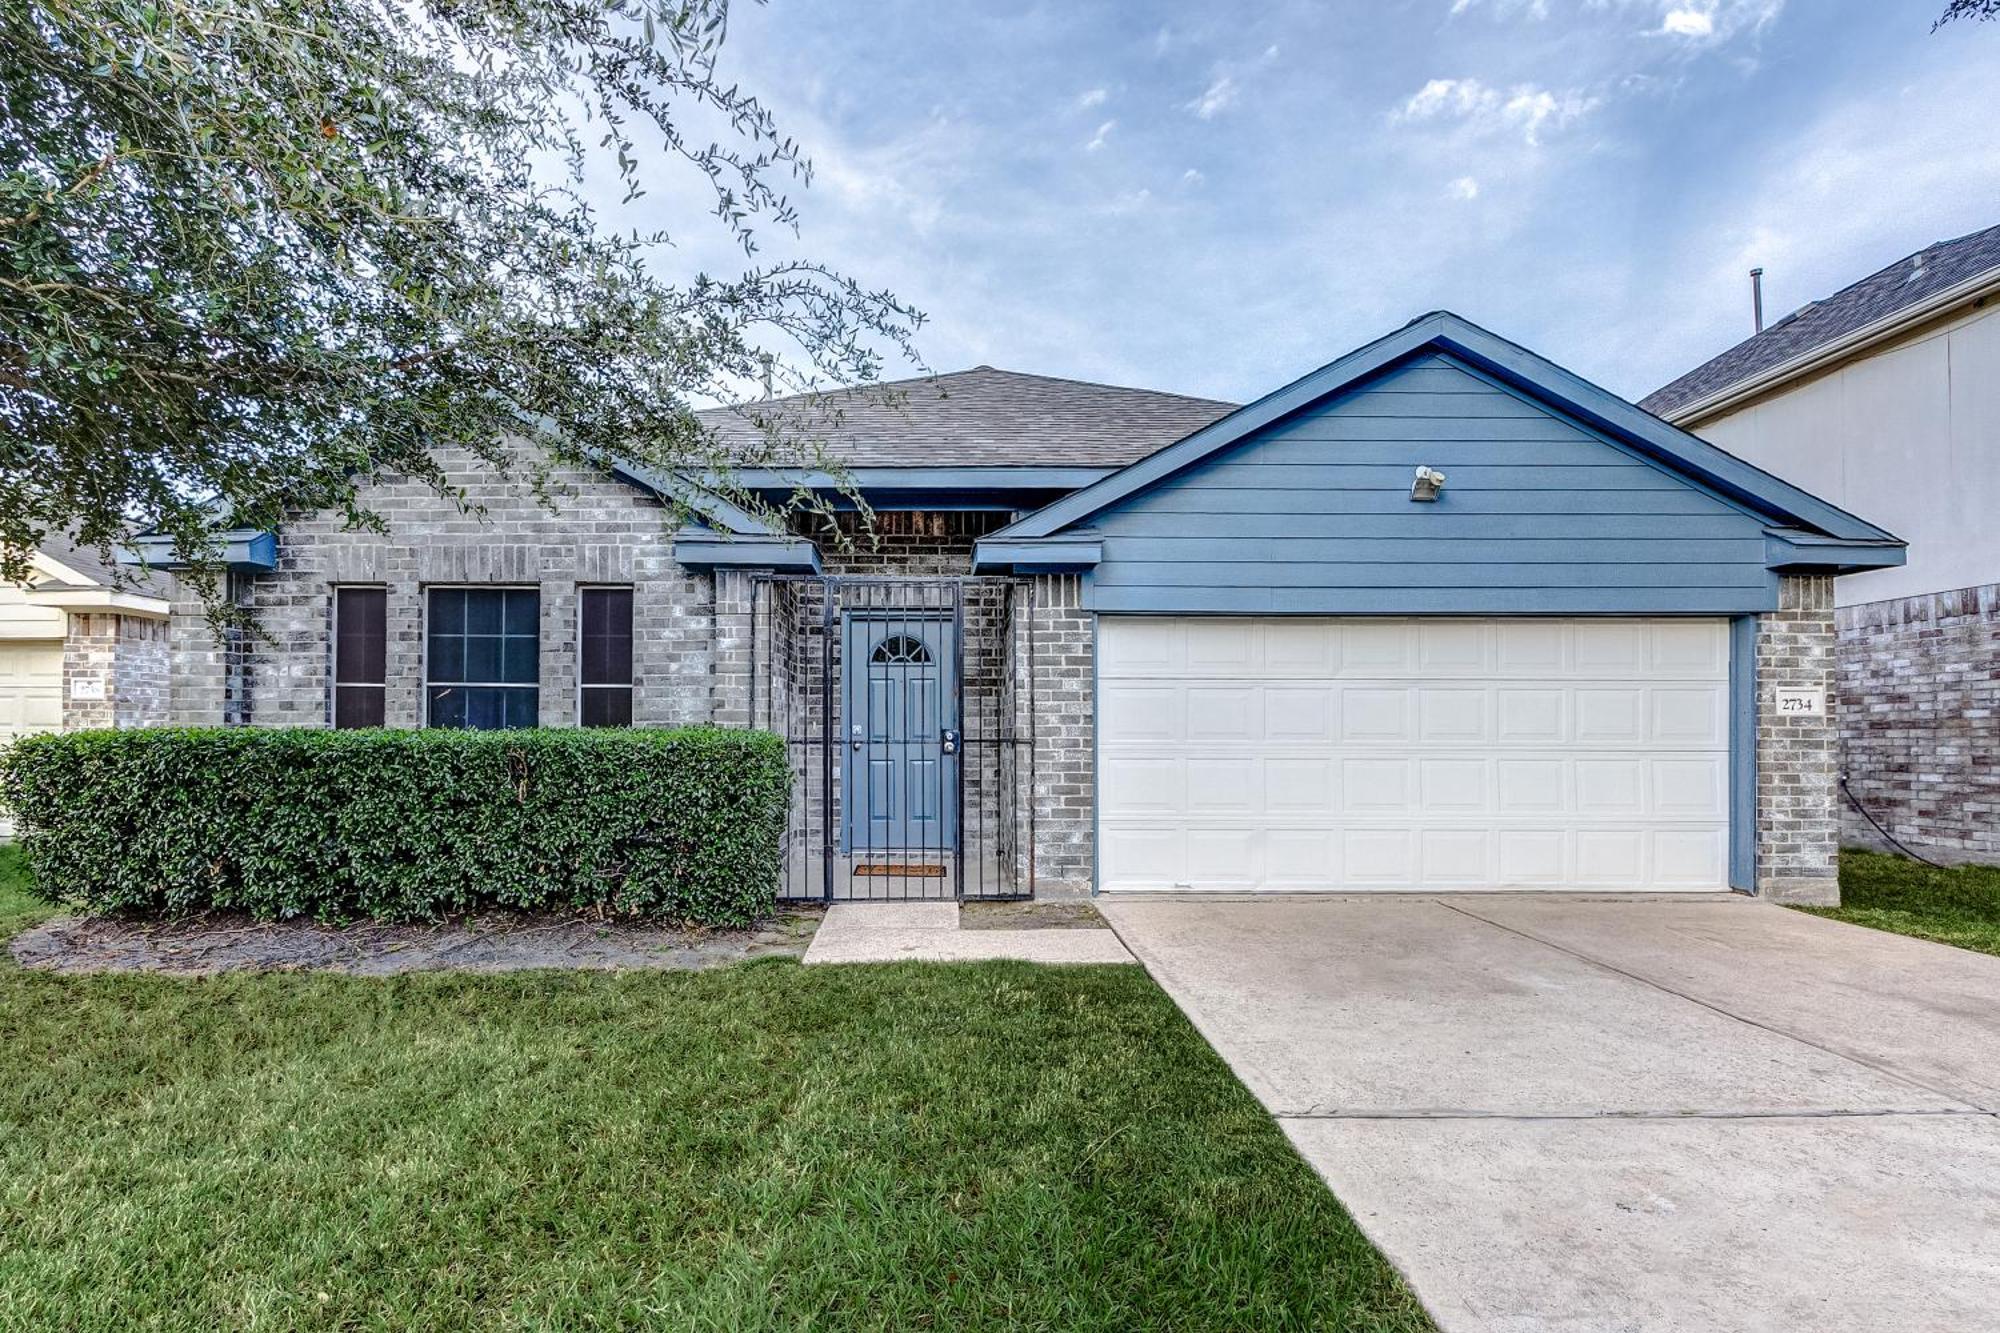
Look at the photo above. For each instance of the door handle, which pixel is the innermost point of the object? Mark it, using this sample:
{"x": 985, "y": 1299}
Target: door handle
{"x": 950, "y": 739}
{"x": 855, "y": 731}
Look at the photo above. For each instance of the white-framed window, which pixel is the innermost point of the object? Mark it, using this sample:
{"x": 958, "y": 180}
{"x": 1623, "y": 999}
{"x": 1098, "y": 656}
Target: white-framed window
{"x": 482, "y": 657}
{"x": 360, "y": 655}
{"x": 604, "y": 657}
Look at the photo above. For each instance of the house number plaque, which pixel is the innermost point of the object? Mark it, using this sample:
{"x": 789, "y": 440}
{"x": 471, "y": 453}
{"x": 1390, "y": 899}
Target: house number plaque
{"x": 1801, "y": 703}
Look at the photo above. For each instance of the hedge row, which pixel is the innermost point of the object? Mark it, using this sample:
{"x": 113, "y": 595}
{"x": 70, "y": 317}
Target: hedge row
{"x": 403, "y": 825}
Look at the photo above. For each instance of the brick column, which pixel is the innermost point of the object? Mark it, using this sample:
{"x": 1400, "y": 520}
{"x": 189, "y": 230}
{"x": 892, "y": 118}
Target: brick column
{"x": 734, "y": 594}
{"x": 1056, "y": 638}
{"x": 1798, "y": 757}
{"x": 114, "y": 671}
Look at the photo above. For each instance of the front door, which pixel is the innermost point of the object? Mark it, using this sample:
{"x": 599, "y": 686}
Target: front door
{"x": 901, "y": 713}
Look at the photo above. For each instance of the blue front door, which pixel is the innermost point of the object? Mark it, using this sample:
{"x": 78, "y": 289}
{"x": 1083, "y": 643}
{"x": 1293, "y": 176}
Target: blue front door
{"x": 901, "y": 715}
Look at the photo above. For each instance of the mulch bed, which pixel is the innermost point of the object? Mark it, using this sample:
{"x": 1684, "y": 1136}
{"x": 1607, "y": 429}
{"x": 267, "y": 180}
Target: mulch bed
{"x": 488, "y": 942}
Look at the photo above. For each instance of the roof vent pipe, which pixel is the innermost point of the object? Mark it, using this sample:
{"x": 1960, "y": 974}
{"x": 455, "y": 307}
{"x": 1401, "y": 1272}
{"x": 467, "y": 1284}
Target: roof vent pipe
{"x": 1757, "y": 298}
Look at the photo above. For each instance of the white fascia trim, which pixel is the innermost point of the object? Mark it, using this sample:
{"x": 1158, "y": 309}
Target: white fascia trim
{"x": 1847, "y": 344}
{"x": 101, "y": 599}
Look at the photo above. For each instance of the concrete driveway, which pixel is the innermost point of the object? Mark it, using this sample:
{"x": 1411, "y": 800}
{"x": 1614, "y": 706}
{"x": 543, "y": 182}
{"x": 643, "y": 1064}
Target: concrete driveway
{"x": 1556, "y": 1113}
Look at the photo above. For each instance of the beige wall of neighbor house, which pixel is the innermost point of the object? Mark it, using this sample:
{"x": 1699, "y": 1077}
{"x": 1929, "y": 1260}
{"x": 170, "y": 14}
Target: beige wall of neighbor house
{"x": 1907, "y": 433}
{"x": 78, "y": 650}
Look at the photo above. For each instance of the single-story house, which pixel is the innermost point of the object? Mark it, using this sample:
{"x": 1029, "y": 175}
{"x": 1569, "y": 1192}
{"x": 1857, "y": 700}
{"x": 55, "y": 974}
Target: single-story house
{"x": 1887, "y": 394}
{"x": 1438, "y": 616}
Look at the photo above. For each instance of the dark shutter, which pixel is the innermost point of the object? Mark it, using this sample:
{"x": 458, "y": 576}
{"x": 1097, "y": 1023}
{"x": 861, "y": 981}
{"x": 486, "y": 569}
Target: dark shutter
{"x": 360, "y": 656}
{"x": 605, "y": 670}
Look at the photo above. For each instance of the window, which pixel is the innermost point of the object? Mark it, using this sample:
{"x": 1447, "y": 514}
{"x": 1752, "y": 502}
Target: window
{"x": 360, "y": 656}
{"x": 605, "y": 680}
{"x": 483, "y": 666}
{"x": 900, "y": 650}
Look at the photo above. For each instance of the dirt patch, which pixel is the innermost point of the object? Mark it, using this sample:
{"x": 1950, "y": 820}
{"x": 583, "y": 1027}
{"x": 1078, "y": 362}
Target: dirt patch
{"x": 1041, "y": 914}
{"x": 489, "y": 942}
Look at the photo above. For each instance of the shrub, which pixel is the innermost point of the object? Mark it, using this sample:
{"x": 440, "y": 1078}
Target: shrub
{"x": 403, "y": 825}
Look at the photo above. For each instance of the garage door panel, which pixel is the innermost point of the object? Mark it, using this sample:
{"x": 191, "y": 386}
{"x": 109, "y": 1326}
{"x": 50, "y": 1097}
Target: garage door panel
{"x": 1142, "y": 712}
{"x": 1693, "y": 715}
{"x": 1461, "y": 858}
{"x": 1453, "y": 716}
{"x": 1225, "y": 785}
{"x": 1412, "y": 753}
{"x": 1454, "y": 786}
{"x": 1300, "y": 786}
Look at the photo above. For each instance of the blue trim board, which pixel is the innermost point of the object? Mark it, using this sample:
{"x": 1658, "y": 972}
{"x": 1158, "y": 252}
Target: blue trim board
{"x": 241, "y": 551}
{"x": 1790, "y": 549}
{"x": 1542, "y": 380}
{"x": 703, "y": 550}
{"x": 1065, "y": 557}
{"x": 1743, "y": 753}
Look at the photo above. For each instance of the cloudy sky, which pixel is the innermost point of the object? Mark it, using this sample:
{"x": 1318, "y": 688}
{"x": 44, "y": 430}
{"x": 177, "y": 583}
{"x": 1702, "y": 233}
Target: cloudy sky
{"x": 1217, "y": 198}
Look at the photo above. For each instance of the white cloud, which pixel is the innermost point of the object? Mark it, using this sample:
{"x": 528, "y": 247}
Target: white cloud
{"x": 1192, "y": 177}
{"x": 1218, "y": 97}
{"x": 1525, "y": 107}
{"x": 1103, "y": 132}
{"x": 1095, "y": 97}
{"x": 1688, "y": 23}
{"x": 1465, "y": 187}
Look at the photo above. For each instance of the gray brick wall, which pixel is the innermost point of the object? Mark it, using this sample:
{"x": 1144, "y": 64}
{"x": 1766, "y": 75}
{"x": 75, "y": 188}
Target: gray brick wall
{"x": 602, "y": 532}
{"x": 1920, "y": 721}
{"x": 125, "y": 658}
{"x": 1058, "y": 638}
{"x": 1798, "y": 757}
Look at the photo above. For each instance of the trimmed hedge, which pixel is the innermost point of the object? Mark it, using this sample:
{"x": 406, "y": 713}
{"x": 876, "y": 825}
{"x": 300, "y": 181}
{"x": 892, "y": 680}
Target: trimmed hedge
{"x": 403, "y": 825}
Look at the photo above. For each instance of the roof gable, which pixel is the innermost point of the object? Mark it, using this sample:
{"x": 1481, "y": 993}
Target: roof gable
{"x": 1542, "y": 381}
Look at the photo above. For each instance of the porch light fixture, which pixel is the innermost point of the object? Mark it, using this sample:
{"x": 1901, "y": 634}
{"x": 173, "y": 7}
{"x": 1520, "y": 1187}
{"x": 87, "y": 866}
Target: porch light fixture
{"x": 1427, "y": 484}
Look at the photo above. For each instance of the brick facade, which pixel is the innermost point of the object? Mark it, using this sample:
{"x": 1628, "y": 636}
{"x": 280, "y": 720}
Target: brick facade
{"x": 1798, "y": 820}
{"x": 1920, "y": 722}
{"x": 600, "y": 532}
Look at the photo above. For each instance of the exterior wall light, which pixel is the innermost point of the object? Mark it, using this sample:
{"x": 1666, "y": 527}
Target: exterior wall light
{"x": 1427, "y": 484}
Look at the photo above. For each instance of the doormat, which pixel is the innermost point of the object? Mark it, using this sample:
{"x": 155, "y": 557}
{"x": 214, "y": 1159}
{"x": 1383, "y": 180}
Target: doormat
{"x": 920, "y": 869}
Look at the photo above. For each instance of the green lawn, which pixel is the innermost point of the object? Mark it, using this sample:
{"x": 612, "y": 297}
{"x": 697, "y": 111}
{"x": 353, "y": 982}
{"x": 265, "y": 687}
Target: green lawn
{"x": 1958, "y": 906}
{"x": 764, "y": 1146}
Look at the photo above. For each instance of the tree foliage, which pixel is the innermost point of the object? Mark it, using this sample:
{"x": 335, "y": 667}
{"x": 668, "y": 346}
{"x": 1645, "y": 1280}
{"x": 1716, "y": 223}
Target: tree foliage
{"x": 1967, "y": 9}
{"x": 261, "y": 251}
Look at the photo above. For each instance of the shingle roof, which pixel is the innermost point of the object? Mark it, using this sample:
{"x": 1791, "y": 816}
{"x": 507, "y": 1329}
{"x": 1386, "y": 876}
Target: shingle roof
{"x": 60, "y": 547}
{"x": 979, "y": 418}
{"x": 1905, "y": 283}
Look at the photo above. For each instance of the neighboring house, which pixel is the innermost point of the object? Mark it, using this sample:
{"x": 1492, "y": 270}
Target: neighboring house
{"x": 80, "y": 647}
{"x": 1886, "y": 396}
{"x": 1099, "y": 637}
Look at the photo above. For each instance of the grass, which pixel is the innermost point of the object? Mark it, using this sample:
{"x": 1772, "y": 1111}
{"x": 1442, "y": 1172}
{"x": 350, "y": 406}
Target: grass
{"x": 764, "y": 1146}
{"x": 1958, "y": 906}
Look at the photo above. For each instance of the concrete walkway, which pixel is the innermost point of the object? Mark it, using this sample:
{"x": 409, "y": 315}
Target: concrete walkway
{"x": 928, "y": 932}
{"x": 1559, "y": 1114}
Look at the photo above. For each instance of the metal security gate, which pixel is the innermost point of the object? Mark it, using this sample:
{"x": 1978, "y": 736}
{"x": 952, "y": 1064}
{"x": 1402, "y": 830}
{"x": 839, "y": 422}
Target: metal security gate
{"x": 897, "y": 701}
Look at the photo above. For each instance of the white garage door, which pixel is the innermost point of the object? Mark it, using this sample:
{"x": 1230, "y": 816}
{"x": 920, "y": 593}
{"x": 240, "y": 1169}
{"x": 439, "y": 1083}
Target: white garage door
{"x": 1427, "y": 753}
{"x": 31, "y": 678}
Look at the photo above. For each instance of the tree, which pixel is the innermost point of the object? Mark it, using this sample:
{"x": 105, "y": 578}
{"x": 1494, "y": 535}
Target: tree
{"x": 254, "y": 253}
{"x": 1967, "y": 9}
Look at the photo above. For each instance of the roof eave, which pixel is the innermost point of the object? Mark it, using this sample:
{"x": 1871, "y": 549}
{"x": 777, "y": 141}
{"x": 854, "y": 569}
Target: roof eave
{"x": 1814, "y": 359}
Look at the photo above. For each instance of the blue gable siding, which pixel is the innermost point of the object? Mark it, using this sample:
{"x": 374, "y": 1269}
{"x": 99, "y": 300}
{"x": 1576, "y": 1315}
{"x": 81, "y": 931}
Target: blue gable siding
{"x": 1538, "y": 514}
